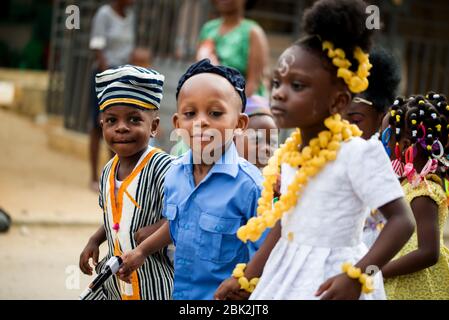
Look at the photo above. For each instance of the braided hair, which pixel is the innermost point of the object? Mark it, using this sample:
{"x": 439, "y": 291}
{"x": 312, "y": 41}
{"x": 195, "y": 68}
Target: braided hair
{"x": 424, "y": 120}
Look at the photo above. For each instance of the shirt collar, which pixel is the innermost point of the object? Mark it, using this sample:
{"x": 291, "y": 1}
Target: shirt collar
{"x": 227, "y": 164}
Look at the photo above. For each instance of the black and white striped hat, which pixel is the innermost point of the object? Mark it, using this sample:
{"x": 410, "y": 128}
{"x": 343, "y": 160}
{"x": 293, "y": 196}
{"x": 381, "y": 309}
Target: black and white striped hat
{"x": 130, "y": 85}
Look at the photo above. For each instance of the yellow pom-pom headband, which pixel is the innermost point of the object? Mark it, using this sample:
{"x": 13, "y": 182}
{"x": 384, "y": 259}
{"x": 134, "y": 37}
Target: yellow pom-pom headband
{"x": 356, "y": 81}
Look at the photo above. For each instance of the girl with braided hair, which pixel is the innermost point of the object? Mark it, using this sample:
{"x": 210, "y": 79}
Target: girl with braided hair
{"x": 416, "y": 137}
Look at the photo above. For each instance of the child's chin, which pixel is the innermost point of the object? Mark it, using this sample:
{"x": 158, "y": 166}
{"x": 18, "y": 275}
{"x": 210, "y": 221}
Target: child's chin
{"x": 125, "y": 151}
{"x": 281, "y": 122}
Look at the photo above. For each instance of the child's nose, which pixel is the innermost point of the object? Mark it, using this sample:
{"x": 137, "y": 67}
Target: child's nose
{"x": 121, "y": 127}
{"x": 202, "y": 121}
{"x": 278, "y": 93}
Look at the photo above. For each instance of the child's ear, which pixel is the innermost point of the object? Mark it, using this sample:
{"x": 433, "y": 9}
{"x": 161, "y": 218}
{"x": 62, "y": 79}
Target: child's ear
{"x": 341, "y": 102}
{"x": 242, "y": 123}
{"x": 175, "y": 120}
{"x": 154, "y": 126}
{"x": 101, "y": 123}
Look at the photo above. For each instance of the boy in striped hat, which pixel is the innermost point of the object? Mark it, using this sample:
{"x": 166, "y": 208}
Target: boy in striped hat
{"x": 131, "y": 185}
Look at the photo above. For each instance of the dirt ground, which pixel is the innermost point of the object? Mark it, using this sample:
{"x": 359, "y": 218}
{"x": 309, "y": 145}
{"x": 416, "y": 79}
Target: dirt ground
{"x": 39, "y": 185}
{"x": 42, "y": 262}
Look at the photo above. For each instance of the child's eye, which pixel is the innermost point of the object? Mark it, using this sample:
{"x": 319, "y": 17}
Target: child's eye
{"x": 135, "y": 119}
{"x": 296, "y": 85}
{"x": 355, "y": 119}
{"x": 110, "y": 120}
{"x": 189, "y": 114}
{"x": 274, "y": 83}
{"x": 216, "y": 113}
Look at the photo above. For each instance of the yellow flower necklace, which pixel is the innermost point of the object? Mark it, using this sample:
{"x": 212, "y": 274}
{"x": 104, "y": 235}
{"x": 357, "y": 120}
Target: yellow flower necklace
{"x": 310, "y": 161}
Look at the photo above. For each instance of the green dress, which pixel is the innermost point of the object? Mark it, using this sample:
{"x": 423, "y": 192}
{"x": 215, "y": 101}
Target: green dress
{"x": 431, "y": 283}
{"x": 232, "y": 48}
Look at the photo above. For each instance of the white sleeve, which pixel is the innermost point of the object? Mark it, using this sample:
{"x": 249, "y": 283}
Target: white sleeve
{"x": 99, "y": 29}
{"x": 371, "y": 174}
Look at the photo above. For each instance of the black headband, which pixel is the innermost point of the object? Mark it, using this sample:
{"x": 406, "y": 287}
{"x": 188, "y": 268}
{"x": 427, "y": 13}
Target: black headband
{"x": 204, "y": 66}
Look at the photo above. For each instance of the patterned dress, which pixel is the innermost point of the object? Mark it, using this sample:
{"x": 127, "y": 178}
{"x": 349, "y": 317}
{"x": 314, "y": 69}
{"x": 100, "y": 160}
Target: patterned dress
{"x": 136, "y": 204}
{"x": 433, "y": 282}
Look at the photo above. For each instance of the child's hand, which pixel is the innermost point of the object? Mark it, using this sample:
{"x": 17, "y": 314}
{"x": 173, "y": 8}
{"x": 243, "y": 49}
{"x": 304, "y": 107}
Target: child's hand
{"x": 206, "y": 50}
{"x": 145, "y": 232}
{"x": 92, "y": 250}
{"x": 230, "y": 290}
{"x": 340, "y": 287}
{"x": 131, "y": 261}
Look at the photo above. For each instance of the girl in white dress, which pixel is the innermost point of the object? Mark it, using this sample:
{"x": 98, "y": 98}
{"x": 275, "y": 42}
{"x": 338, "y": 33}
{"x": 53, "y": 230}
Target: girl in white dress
{"x": 321, "y": 228}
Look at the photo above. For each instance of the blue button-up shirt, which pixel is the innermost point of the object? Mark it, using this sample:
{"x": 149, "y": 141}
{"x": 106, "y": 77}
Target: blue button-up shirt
{"x": 204, "y": 220}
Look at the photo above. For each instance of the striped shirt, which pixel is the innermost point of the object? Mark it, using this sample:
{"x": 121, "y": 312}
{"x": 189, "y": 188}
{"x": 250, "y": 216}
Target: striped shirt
{"x": 139, "y": 204}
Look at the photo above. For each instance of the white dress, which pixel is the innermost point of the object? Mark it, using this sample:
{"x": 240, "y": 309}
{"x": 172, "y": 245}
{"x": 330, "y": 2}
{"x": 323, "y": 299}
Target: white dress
{"x": 325, "y": 228}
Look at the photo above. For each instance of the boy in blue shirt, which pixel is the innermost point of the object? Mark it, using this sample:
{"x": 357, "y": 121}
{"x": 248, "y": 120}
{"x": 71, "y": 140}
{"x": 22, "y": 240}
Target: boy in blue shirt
{"x": 209, "y": 191}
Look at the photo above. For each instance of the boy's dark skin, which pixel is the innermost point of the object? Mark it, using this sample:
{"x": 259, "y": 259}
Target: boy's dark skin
{"x": 207, "y": 104}
{"x": 127, "y": 131}
{"x": 308, "y": 83}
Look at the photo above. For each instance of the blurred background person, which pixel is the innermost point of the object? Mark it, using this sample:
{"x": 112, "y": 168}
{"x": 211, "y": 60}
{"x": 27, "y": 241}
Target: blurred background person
{"x": 233, "y": 41}
{"x": 258, "y": 142}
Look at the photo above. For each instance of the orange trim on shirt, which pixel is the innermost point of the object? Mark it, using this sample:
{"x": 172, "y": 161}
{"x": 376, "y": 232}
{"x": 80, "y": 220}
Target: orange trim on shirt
{"x": 117, "y": 207}
{"x": 132, "y": 199}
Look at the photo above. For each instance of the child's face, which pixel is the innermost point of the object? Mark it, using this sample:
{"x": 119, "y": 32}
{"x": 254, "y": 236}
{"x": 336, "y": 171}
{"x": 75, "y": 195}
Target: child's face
{"x": 209, "y": 111}
{"x": 128, "y": 130}
{"x": 258, "y": 142}
{"x": 303, "y": 93}
{"x": 365, "y": 117}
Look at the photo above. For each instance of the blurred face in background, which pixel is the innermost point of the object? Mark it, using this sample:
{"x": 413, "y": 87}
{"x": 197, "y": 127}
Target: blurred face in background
{"x": 363, "y": 114}
{"x": 258, "y": 143}
{"x": 126, "y": 3}
{"x": 229, "y": 6}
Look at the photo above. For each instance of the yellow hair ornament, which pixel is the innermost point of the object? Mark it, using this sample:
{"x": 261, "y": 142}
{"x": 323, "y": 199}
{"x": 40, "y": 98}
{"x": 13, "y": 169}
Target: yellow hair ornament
{"x": 356, "y": 81}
